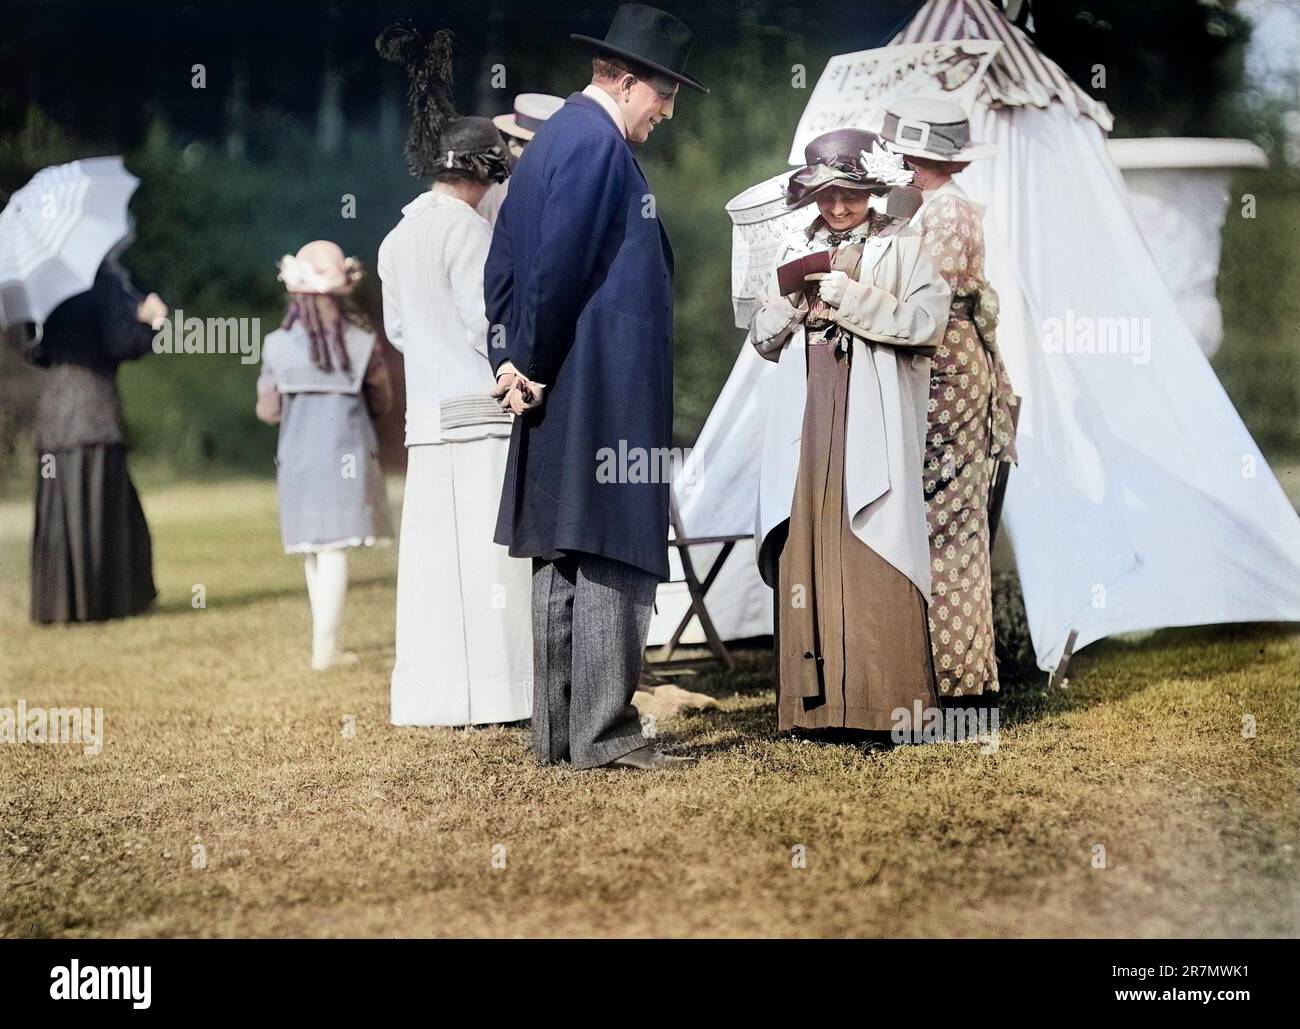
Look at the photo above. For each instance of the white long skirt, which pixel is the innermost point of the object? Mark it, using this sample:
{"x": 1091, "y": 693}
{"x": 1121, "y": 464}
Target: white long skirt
{"x": 464, "y": 621}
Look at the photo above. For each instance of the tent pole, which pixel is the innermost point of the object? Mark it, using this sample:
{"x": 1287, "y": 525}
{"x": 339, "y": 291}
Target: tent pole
{"x": 1058, "y": 677}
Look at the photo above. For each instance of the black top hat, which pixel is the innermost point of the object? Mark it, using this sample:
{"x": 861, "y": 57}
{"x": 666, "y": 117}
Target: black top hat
{"x": 651, "y": 37}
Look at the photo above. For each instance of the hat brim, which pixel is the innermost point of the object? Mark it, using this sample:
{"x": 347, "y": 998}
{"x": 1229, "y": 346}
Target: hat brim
{"x": 832, "y": 181}
{"x": 507, "y": 124}
{"x": 604, "y": 47}
{"x": 970, "y": 152}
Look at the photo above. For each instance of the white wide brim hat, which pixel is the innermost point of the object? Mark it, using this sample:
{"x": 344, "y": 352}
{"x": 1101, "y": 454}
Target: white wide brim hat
{"x": 531, "y": 111}
{"x": 934, "y": 129}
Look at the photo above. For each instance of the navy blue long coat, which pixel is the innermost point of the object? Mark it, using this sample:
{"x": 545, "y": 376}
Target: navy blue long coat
{"x": 578, "y": 289}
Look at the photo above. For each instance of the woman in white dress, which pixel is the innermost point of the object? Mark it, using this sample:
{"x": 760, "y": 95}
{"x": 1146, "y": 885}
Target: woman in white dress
{"x": 464, "y": 637}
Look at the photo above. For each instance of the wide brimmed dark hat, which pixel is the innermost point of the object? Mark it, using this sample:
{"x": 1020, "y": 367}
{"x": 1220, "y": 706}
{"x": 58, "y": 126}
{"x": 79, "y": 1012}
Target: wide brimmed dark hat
{"x": 648, "y": 36}
{"x": 845, "y": 159}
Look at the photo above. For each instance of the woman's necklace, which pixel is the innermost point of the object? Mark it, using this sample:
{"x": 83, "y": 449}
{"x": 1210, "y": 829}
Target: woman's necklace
{"x": 854, "y": 235}
{"x": 859, "y": 233}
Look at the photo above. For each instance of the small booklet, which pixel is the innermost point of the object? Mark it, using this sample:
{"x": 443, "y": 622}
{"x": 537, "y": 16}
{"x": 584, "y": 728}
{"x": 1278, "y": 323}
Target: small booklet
{"x": 792, "y": 276}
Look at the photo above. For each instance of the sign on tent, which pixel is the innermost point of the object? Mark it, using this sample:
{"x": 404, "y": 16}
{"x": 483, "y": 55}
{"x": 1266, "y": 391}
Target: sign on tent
{"x": 855, "y": 88}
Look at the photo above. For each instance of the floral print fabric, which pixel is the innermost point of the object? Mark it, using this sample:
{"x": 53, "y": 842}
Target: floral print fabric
{"x": 970, "y": 429}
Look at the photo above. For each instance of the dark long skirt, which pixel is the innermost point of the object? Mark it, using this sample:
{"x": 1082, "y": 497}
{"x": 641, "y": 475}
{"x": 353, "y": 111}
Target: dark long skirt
{"x": 92, "y": 558}
{"x": 852, "y": 638}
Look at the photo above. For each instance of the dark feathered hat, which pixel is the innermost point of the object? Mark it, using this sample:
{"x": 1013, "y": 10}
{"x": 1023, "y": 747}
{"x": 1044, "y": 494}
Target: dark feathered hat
{"x": 438, "y": 140}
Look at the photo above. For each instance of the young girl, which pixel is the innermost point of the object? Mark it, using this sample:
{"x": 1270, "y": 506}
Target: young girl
{"x": 323, "y": 381}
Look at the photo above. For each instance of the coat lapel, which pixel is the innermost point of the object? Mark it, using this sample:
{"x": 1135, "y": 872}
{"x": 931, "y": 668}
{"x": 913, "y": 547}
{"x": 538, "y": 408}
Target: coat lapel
{"x": 873, "y": 251}
{"x": 664, "y": 243}
{"x": 585, "y": 101}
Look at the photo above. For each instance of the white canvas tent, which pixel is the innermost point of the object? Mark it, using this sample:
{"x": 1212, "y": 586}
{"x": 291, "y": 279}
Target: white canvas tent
{"x": 1140, "y": 500}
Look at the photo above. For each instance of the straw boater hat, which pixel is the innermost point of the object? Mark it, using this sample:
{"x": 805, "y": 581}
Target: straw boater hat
{"x": 531, "y": 110}
{"x": 845, "y": 159}
{"x": 651, "y": 38}
{"x": 935, "y": 129}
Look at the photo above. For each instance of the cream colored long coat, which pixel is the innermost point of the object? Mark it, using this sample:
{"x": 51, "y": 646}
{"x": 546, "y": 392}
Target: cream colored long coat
{"x": 896, "y": 312}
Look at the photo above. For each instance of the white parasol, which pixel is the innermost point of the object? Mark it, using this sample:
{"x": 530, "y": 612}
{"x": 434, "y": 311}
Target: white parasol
{"x": 55, "y": 232}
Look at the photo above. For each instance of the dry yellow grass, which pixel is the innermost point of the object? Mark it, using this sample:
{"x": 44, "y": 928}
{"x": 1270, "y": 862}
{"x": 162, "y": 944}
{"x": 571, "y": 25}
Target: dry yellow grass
{"x": 216, "y": 734}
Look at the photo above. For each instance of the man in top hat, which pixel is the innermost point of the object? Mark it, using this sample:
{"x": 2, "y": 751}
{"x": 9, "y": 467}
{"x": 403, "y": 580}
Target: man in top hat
{"x": 531, "y": 109}
{"x": 578, "y": 287}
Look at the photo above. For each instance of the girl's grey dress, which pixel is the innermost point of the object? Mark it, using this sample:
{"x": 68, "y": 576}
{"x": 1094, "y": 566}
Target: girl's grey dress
{"x": 330, "y": 484}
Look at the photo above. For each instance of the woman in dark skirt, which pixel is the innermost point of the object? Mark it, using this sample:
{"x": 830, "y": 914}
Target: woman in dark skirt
{"x": 92, "y": 558}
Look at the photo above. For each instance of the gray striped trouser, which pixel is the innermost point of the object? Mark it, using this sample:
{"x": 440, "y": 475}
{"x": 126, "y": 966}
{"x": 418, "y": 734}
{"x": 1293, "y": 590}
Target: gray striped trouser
{"x": 590, "y": 619}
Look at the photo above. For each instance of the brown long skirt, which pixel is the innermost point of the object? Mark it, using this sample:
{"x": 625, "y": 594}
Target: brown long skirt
{"x": 852, "y": 636}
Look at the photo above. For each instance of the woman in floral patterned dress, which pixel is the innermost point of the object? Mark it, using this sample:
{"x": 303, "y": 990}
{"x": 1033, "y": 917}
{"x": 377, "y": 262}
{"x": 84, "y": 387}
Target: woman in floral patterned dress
{"x": 970, "y": 411}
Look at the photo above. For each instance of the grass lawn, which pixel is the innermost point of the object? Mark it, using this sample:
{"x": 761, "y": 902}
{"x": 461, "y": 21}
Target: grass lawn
{"x": 218, "y": 736}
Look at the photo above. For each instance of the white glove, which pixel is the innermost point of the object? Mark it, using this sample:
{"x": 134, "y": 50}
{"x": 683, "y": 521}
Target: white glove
{"x": 833, "y": 287}
{"x": 773, "y": 323}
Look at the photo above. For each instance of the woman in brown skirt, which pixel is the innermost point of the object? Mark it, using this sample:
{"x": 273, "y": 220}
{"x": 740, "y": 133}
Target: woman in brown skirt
{"x": 842, "y": 528}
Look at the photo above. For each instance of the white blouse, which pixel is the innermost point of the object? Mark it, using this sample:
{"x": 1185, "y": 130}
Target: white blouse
{"x": 431, "y": 266}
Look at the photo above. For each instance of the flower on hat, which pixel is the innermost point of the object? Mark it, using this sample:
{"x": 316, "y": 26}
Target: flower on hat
{"x": 301, "y": 275}
{"x": 885, "y": 166}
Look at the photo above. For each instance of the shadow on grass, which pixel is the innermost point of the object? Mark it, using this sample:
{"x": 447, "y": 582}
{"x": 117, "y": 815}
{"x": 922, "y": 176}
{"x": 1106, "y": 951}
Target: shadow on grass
{"x": 1116, "y": 668}
{"x": 1107, "y": 671}
{"x": 180, "y": 604}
